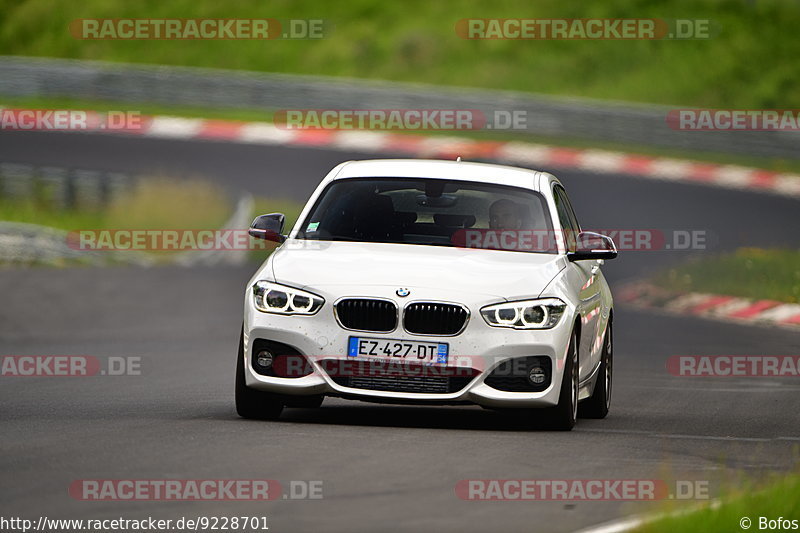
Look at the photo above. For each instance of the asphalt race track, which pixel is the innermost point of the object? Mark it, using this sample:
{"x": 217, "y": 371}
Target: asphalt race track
{"x": 383, "y": 468}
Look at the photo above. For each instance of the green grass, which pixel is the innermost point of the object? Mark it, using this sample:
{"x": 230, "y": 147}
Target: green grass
{"x": 772, "y": 274}
{"x": 164, "y": 203}
{"x": 773, "y": 164}
{"x": 750, "y": 63}
{"x": 143, "y": 108}
{"x": 780, "y": 498}
{"x": 30, "y": 211}
{"x": 153, "y": 203}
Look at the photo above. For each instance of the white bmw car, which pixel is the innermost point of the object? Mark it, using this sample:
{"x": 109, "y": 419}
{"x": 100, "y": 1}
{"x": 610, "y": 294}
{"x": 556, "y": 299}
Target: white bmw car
{"x": 430, "y": 282}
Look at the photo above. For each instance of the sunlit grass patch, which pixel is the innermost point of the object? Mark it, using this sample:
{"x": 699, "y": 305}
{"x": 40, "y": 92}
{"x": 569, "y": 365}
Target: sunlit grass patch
{"x": 749, "y": 507}
{"x": 772, "y": 274}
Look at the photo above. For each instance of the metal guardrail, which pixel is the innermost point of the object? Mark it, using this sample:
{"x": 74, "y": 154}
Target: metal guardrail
{"x": 26, "y": 244}
{"x": 579, "y": 119}
{"x": 73, "y": 189}
{"x": 61, "y": 188}
{"x": 31, "y": 244}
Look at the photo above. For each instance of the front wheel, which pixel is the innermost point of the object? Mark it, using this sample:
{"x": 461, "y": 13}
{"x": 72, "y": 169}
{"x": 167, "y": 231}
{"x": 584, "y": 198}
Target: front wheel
{"x": 562, "y": 417}
{"x": 598, "y": 404}
{"x": 251, "y": 403}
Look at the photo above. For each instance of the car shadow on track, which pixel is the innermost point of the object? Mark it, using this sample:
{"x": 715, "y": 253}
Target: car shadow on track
{"x": 449, "y": 417}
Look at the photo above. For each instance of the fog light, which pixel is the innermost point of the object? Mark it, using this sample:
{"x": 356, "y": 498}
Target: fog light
{"x": 536, "y": 375}
{"x": 264, "y": 359}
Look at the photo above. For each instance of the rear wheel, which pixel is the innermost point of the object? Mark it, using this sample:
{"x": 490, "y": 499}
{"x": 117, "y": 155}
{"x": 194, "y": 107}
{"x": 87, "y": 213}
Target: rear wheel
{"x": 251, "y": 403}
{"x": 598, "y": 404}
{"x": 562, "y": 417}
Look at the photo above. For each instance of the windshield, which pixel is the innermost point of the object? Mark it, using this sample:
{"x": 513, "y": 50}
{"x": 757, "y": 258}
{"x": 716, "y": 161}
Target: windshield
{"x": 431, "y": 212}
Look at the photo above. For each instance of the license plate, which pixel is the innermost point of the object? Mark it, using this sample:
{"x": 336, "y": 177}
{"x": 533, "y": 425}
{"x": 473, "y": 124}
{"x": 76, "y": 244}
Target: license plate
{"x": 397, "y": 350}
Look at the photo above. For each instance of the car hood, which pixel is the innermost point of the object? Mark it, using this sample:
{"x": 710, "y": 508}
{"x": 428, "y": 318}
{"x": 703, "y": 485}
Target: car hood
{"x": 341, "y": 266}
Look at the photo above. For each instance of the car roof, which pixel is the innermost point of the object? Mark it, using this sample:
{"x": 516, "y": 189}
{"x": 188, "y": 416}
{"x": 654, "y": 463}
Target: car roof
{"x": 440, "y": 169}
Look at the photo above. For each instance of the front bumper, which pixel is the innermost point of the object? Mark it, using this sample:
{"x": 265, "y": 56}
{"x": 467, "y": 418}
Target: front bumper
{"x": 479, "y": 346}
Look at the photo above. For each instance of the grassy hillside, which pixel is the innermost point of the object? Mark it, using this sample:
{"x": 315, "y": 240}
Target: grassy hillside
{"x": 772, "y": 274}
{"x": 746, "y": 509}
{"x": 750, "y": 63}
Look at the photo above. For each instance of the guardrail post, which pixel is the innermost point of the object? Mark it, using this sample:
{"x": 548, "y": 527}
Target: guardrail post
{"x": 88, "y": 188}
{"x": 17, "y": 181}
{"x": 54, "y": 185}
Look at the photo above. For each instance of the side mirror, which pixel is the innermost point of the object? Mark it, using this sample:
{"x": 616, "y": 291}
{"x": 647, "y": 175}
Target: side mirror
{"x": 268, "y": 227}
{"x": 591, "y": 245}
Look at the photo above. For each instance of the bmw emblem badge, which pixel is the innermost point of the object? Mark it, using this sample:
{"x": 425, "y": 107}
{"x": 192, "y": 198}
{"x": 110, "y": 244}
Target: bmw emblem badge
{"x": 402, "y": 293}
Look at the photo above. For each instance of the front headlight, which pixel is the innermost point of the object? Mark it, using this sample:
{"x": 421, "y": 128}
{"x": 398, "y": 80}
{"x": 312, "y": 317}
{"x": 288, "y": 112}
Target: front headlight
{"x": 271, "y": 297}
{"x": 525, "y": 314}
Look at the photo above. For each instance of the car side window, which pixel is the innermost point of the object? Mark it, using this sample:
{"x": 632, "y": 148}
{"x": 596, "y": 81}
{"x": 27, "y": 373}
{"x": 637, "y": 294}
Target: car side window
{"x": 570, "y": 211}
{"x": 566, "y": 216}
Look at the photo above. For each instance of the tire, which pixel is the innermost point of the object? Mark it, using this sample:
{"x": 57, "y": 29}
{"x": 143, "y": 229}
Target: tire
{"x": 251, "y": 403}
{"x": 598, "y": 404}
{"x": 562, "y": 417}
